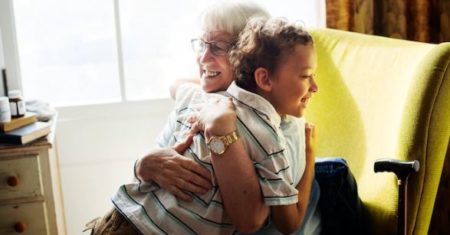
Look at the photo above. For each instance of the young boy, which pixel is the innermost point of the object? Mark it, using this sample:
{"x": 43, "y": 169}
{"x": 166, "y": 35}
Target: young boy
{"x": 274, "y": 62}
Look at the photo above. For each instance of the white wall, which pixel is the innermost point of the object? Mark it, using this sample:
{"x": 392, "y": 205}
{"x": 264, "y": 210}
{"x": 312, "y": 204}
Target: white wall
{"x": 97, "y": 147}
{"x": 2, "y": 63}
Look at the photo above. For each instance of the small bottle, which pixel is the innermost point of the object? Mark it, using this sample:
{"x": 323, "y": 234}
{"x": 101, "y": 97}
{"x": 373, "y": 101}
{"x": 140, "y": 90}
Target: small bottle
{"x": 16, "y": 103}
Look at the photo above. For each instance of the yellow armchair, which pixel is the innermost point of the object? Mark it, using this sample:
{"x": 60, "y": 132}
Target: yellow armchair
{"x": 380, "y": 97}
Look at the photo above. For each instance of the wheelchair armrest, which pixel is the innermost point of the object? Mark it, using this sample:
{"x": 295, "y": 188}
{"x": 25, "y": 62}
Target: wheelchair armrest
{"x": 401, "y": 168}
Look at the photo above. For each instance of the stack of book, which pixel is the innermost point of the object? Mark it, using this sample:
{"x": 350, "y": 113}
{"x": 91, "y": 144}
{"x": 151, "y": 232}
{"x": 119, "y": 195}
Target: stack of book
{"x": 23, "y": 130}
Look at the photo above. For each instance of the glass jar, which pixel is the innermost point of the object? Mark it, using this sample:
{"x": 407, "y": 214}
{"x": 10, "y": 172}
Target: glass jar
{"x": 16, "y": 103}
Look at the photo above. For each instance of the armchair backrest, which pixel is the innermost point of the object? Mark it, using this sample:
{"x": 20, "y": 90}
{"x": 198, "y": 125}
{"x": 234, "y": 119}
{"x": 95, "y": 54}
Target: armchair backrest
{"x": 380, "y": 97}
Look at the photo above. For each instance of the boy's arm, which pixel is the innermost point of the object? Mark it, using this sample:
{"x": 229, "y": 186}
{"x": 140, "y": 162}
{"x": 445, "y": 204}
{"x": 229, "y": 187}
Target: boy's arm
{"x": 240, "y": 190}
{"x": 174, "y": 86}
{"x": 236, "y": 176}
{"x": 288, "y": 218}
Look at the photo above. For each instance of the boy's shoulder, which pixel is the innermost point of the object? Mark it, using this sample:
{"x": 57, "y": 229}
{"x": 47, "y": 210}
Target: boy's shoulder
{"x": 253, "y": 106}
{"x": 290, "y": 122}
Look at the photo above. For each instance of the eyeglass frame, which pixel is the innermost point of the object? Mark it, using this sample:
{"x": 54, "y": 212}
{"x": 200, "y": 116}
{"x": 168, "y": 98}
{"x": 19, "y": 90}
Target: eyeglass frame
{"x": 211, "y": 46}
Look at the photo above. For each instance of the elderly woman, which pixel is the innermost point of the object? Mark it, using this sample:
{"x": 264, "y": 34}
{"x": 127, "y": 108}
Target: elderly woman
{"x": 221, "y": 24}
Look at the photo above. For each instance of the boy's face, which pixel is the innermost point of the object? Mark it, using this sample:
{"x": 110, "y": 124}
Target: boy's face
{"x": 293, "y": 81}
{"x": 215, "y": 69}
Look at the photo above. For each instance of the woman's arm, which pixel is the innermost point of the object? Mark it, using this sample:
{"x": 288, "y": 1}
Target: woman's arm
{"x": 174, "y": 86}
{"x": 174, "y": 172}
{"x": 234, "y": 170}
{"x": 288, "y": 218}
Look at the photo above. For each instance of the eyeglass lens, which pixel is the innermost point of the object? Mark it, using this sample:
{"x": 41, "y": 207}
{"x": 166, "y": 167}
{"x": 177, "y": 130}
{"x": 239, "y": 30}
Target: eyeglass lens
{"x": 217, "y": 48}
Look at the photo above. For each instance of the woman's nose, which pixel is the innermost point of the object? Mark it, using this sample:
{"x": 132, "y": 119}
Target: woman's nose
{"x": 206, "y": 55}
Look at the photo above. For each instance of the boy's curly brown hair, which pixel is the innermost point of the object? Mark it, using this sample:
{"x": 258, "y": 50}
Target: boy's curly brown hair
{"x": 263, "y": 43}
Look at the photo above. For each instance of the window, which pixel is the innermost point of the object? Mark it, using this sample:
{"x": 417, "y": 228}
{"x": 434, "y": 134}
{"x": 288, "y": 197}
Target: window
{"x": 67, "y": 50}
{"x": 83, "y": 52}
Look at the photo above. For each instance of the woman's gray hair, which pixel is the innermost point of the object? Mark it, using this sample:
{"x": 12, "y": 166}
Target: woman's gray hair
{"x": 230, "y": 16}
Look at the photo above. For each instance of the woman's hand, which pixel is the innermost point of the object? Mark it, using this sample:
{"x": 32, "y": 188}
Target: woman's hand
{"x": 174, "y": 172}
{"x": 217, "y": 117}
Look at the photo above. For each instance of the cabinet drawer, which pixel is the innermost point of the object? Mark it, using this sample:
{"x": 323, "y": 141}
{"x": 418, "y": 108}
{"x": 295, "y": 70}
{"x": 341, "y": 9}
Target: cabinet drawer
{"x": 20, "y": 178}
{"x": 30, "y": 215}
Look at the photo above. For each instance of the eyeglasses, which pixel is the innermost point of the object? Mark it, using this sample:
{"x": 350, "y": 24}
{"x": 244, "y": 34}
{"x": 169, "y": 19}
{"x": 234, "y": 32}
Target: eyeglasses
{"x": 217, "y": 48}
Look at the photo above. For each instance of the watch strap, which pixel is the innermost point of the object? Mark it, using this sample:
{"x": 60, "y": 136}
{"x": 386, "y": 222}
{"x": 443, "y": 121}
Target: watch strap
{"x": 229, "y": 138}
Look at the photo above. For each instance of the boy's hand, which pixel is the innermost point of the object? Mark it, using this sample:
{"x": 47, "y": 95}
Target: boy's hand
{"x": 217, "y": 117}
{"x": 310, "y": 136}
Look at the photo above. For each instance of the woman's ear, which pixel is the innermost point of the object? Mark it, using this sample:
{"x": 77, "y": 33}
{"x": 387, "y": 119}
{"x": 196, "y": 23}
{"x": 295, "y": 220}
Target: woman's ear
{"x": 262, "y": 79}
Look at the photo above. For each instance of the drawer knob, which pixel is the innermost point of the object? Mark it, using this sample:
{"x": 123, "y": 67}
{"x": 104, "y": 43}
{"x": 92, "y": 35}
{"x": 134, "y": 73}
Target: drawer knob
{"x": 20, "y": 227}
{"x": 13, "y": 181}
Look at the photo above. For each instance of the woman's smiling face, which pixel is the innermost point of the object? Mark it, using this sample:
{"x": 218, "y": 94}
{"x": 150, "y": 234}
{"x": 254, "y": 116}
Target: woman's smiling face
{"x": 215, "y": 70}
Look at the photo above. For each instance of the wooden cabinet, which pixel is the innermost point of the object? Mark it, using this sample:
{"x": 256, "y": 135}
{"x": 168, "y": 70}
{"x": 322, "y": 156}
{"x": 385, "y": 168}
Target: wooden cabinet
{"x": 30, "y": 190}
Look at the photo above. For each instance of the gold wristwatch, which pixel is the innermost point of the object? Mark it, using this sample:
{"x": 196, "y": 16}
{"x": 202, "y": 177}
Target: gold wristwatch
{"x": 219, "y": 144}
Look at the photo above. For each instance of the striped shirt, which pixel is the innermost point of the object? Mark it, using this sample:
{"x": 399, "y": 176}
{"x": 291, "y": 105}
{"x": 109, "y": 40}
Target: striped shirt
{"x": 294, "y": 131}
{"x": 154, "y": 210}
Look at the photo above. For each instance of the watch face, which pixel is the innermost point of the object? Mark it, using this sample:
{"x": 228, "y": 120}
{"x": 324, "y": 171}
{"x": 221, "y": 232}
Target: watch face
{"x": 217, "y": 146}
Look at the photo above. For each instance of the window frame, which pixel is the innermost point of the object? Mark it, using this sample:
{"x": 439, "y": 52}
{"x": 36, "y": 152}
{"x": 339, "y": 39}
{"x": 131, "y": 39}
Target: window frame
{"x": 10, "y": 48}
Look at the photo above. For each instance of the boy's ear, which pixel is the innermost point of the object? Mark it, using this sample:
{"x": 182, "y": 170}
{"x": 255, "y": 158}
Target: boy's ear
{"x": 262, "y": 79}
